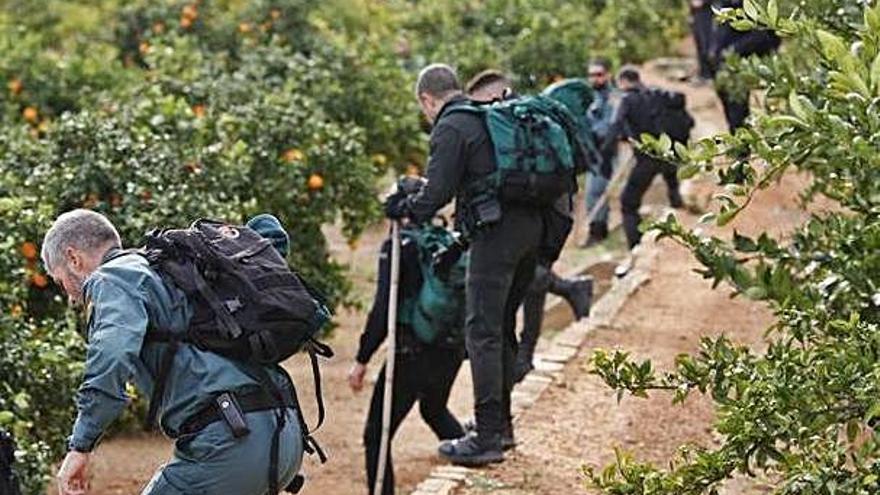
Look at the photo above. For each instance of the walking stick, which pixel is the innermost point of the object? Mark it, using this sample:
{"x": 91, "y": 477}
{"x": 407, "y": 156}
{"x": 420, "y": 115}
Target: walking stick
{"x": 389, "y": 361}
{"x": 619, "y": 174}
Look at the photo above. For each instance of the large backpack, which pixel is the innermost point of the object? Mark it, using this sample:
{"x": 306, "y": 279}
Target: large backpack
{"x": 668, "y": 114}
{"x": 576, "y": 95}
{"x": 247, "y": 305}
{"x": 533, "y": 138}
{"x": 436, "y": 312}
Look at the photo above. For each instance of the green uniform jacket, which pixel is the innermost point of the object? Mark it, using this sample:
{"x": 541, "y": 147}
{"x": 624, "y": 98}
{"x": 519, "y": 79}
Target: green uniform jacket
{"x": 124, "y": 298}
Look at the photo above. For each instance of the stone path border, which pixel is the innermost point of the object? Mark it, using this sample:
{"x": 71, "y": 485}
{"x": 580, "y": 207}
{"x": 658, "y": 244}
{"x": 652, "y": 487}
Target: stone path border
{"x": 549, "y": 365}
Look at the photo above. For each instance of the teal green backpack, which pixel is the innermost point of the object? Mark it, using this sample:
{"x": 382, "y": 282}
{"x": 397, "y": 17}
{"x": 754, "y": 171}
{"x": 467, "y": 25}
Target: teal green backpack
{"x": 436, "y": 313}
{"x": 577, "y": 96}
{"x": 536, "y": 149}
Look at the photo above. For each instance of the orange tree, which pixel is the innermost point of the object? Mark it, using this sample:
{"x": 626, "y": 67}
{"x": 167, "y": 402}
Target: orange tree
{"x": 802, "y": 413}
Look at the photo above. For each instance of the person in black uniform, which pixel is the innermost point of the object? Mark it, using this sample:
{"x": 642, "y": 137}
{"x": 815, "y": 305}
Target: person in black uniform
{"x": 702, "y": 26}
{"x": 504, "y": 242}
{"x": 423, "y": 373}
{"x": 491, "y": 85}
{"x": 633, "y": 116}
{"x": 744, "y": 43}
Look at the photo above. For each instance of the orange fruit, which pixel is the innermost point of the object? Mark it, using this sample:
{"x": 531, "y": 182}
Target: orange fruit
{"x": 293, "y": 155}
{"x": 16, "y": 310}
{"x": 15, "y": 86}
{"x": 316, "y": 182}
{"x": 29, "y": 250}
{"x": 158, "y": 27}
{"x": 190, "y": 12}
{"x": 198, "y": 110}
{"x": 30, "y": 114}
{"x": 186, "y": 22}
{"x": 144, "y": 48}
{"x": 275, "y": 13}
{"x": 244, "y": 27}
{"x": 39, "y": 280}
{"x": 380, "y": 159}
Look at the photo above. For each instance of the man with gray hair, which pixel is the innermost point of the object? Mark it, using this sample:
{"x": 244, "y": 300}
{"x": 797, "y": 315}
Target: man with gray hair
{"x": 123, "y": 297}
{"x": 504, "y": 243}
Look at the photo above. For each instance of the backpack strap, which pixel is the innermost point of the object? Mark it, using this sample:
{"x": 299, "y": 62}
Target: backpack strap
{"x": 162, "y": 374}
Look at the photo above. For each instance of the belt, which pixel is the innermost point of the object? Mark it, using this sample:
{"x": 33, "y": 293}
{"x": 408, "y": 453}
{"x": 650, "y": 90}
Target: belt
{"x": 249, "y": 401}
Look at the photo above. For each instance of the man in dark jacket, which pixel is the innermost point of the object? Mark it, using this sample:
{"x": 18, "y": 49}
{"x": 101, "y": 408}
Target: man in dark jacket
{"x": 632, "y": 118}
{"x": 423, "y": 372}
{"x": 504, "y": 243}
{"x": 728, "y": 40}
{"x": 485, "y": 87}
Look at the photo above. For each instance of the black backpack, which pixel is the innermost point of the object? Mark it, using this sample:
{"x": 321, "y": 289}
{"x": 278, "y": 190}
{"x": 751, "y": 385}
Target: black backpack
{"x": 247, "y": 305}
{"x": 668, "y": 114}
{"x": 8, "y": 479}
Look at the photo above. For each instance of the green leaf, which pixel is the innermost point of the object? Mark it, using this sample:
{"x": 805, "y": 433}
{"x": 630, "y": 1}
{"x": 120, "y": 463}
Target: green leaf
{"x": 833, "y": 47}
{"x": 797, "y": 106}
{"x": 875, "y": 74}
{"x": 751, "y": 9}
{"x": 772, "y": 12}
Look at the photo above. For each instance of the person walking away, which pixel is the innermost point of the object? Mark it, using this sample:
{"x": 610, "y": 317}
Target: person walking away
{"x": 645, "y": 110}
{"x": 503, "y": 221}
{"x": 424, "y": 371}
{"x": 727, "y": 41}
{"x": 491, "y": 86}
{"x": 702, "y": 27}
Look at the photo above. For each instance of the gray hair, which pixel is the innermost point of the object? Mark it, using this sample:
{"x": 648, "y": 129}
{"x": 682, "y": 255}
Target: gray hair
{"x": 80, "y": 229}
{"x": 437, "y": 80}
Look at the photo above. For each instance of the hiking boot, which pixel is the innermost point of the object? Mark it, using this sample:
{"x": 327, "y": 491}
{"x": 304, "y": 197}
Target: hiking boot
{"x": 521, "y": 368}
{"x": 469, "y": 451}
{"x": 675, "y": 200}
{"x": 507, "y": 440}
{"x": 579, "y": 295}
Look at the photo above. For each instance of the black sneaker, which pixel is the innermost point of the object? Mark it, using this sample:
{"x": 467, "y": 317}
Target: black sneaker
{"x": 507, "y": 440}
{"x": 468, "y": 451}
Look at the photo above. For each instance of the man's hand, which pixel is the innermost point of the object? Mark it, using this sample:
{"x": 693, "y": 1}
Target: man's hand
{"x": 72, "y": 474}
{"x": 356, "y": 376}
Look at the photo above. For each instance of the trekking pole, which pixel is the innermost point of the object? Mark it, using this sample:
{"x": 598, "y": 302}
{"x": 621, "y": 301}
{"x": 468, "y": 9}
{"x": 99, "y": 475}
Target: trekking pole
{"x": 389, "y": 361}
{"x": 615, "y": 179}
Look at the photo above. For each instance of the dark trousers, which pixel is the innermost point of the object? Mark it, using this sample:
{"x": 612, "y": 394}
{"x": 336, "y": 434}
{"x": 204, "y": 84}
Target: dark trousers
{"x": 426, "y": 377}
{"x": 702, "y": 31}
{"x": 736, "y": 110}
{"x": 533, "y": 308}
{"x": 643, "y": 173}
{"x": 502, "y": 265}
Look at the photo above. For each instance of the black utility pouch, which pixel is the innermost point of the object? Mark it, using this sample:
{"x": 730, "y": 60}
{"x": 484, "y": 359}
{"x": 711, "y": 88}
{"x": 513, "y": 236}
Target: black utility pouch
{"x": 486, "y": 210}
{"x": 232, "y": 414}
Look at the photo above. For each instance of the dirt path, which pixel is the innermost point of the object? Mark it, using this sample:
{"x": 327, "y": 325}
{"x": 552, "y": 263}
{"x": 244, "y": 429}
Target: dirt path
{"x": 576, "y": 423}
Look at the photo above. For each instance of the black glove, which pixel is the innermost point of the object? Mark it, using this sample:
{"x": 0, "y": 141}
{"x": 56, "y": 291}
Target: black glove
{"x": 397, "y": 206}
{"x": 445, "y": 259}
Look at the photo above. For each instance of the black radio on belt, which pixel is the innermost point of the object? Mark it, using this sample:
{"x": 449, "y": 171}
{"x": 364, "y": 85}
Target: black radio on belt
{"x": 232, "y": 414}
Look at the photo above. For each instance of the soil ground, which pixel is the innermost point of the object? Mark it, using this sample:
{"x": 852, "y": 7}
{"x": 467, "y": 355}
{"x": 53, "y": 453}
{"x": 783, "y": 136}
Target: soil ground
{"x": 575, "y": 423}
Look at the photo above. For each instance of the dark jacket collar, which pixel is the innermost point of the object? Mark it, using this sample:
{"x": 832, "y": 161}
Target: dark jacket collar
{"x": 459, "y": 99}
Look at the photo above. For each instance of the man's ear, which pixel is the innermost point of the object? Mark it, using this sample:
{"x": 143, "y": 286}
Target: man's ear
{"x": 74, "y": 258}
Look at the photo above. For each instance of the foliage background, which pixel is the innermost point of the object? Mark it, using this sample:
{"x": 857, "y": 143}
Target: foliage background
{"x": 158, "y": 112}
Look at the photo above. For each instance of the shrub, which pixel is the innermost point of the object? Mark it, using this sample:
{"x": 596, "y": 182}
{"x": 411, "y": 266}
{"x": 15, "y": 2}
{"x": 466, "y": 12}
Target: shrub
{"x": 802, "y": 413}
